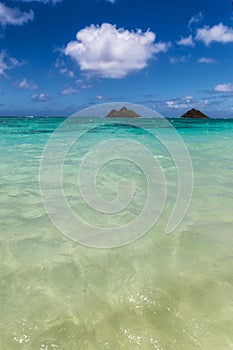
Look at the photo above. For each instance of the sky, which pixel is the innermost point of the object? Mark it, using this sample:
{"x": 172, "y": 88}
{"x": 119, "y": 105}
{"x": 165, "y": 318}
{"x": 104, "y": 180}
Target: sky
{"x": 60, "y": 56}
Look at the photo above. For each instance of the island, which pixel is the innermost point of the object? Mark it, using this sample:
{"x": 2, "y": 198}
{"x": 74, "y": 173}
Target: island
{"x": 123, "y": 113}
{"x": 194, "y": 113}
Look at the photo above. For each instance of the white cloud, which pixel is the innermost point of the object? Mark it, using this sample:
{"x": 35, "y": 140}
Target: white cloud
{"x": 83, "y": 85}
{"x": 14, "y": 16}
{"x": 179, "y": 59}
{"x": 7, "y": 62}
{"x": 180, "y": 102}
{"x": 110, "y": 52}
{"x": 188, "y": 41}
{"x": 100, "y": 97}
{"x": 188, "y": 99}
{"x": 195, "y": 19}
{"x": 40, "y": 97}
{"x": 60, "y": 64}
{"x": 173, "y": 104}
{"x": 111, "y": 1}
{"x": 67, "y": 72}
{"x": 69, "y": 91}
{"x": 25, "y": 85}
{"x": 228, "y": 87}
{"x": 218, "y": 33}
{"x": 207, "y": 60}
{"x": 161, "y": 47}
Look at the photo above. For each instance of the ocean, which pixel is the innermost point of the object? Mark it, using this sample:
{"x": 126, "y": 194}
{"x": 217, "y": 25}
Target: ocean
{"x": 153, "y": 290}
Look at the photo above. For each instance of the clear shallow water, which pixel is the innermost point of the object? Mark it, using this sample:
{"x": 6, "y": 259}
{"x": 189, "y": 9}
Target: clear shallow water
{"x": 170, "y": 292}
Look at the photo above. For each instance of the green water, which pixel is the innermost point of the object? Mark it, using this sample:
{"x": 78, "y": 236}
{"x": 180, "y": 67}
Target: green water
{"x": 163, "y": 292}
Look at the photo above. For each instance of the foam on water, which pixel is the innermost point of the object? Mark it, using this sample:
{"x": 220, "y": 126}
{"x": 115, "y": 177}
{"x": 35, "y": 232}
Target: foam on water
{"x": 163, "y": 292}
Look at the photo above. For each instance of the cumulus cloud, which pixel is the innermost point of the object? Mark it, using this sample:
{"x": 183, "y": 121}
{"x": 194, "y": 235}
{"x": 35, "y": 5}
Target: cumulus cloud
{"x": 40, "y": 97}
{"x": 110, "y": 52}
{"x": 228, "y": 87}
{"x": 7, "y": 62}
{"x": 207, "y": 60}
{"x": 188, "y": 41}
{"x": 26, "y": 85}
{"x": 218, "y": 33}
{"x": 14, "y": 16}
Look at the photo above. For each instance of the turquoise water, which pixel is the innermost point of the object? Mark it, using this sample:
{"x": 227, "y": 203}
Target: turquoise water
{"x": 163, "y": 292}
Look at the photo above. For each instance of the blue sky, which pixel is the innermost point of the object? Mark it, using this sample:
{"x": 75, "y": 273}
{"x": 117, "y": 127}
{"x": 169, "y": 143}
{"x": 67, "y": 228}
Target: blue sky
{"x": 59, "y": 56}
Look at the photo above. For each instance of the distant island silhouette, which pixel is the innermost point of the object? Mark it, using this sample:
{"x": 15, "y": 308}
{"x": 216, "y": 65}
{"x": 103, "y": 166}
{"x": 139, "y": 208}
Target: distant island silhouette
{"x": 128, "y": 113}
{"x": 123, "y": 113}
{"x": 194, "y": 113}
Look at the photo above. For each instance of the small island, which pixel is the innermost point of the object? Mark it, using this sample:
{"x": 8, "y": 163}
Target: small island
{"x": 194, "y": 113}
{"x": 123, "y": 113}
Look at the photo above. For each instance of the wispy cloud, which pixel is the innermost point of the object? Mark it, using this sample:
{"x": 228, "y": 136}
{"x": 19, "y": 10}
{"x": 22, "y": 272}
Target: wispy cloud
{"x": 24, "y": 84}
{"x": 109, "y": 52}
{"x": 40, "y": 97}
{"x": 179, "y": 103}
{"x": 67, "y": 72}
{"x": 14, "y": 16}
{"x": 218, "y": 33}
{"x": 100, "y": 97}
{"x": 61, "y": 65}
{"x": 69, "y": 91}
{"x": 7, "y": 62}
{"x": 197, "y": 18}
{"x": 207, "y": 60}
{"x": 179, "y": 59}
{"x": 175, "y": 107}
{"x": 82, "y": 85}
